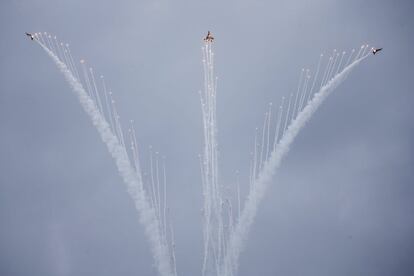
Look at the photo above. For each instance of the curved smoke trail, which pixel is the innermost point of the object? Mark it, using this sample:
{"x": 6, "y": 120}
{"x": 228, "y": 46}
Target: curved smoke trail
{"x": 132, "y": 178}
{"x": 241, "y": 230}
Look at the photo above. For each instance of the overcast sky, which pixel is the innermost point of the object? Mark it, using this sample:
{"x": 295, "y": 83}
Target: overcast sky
{"x": 342, "y": 202}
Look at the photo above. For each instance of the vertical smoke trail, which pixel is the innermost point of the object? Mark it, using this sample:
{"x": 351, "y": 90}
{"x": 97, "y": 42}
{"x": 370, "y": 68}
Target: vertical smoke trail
{"x": 268, "y": 132}
{"x": 238, "y": 196}
{"x": 279, "y": 122}
{"x": 262, "y": 145}
{"x": 325, "y": 72}
{"x": 108, "y": 109}
{"x": 73, "y": 62}
{"x": 302, "y": 100}
{"x": 134, "y": 184}
{"x": 340, "y": 63}
{"x": 158, "y": 185}
{"x": 58, "y": 54}
{"x": 173, "y": 260}
{"x": 95, "y": 89}
{"x": 239, "y": 235}
{"x": 298, "y": 91}
{"x": 287, "y": 115}
{"x": 314, "y": 78}
{"x": 215, "y": 232}
{"x": 350, "y": 57}
{"x": 366, "y": 48}
{"x": 359, "y": 52}
{"x": 40, "y": 38}
{"x": 333, "y": 67}
{"x": 86, "y": 79}
{"x": 63, "y": 50}
{"x": 254, "y": 157}
{"x": 65, "y": 56}
{"x": 52, "y": 47}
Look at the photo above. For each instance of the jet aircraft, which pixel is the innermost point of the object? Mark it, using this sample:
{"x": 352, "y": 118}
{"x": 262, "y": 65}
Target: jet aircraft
{"x": 376, "y": 50}
{"x": 30, "y": 35}
{"x": 209, "y": 37}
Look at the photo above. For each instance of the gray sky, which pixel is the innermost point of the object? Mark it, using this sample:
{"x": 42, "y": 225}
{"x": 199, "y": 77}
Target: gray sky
{"x": 341, "y": 204}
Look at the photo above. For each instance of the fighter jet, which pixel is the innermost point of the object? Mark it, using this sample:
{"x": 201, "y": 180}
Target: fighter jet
{"x": 376, "y": 50}
{"x": 209, "y": 37}
{"x": 30, "y": 35}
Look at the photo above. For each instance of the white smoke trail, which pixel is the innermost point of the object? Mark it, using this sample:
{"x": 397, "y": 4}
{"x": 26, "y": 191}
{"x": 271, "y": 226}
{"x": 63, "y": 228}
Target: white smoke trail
{"x": 239, "y": 235}
{"x": 279, "y": 122}
{"x": 73, "y": 62}
{"x": 303, "y": 97}
{"x": 287, "y": 115}
{"x": 262, "y": 145}
{"x": 298, "y": 91}
{"x": 350, "y": 57}
{"x": 314, "y": 78}
{"x": 340, "y": 63}
{"x": 213, "y": 235}
{"x": 131, "y": 177}
{"x": 333, "y": 67}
